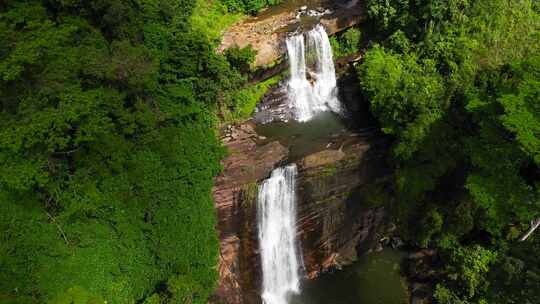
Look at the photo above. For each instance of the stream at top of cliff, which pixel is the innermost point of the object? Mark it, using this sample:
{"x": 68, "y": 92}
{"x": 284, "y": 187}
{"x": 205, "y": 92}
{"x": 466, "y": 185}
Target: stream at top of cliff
{"x": 291, "y": 5}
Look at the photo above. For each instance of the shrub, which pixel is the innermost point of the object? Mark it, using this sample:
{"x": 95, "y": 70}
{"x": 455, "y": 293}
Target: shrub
{"x": 241, "y": 58}
{"x": 248, "y": 6}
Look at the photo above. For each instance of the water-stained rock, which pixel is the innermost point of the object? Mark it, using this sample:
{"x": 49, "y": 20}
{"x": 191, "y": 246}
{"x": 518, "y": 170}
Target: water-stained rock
{"x": 334, "y": 223}
{"x": 322, "y": 158}
{"x": 235, "y": 194}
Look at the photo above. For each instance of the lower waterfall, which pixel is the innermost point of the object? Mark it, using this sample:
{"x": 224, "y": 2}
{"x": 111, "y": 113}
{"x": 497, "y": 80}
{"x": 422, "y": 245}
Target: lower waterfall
{"x": 319, "y": 92}
{"x": 276, "y": 214}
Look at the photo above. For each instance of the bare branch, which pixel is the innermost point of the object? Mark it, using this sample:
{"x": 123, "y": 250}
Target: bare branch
{"x": 58, "y": 226}
{"x": 66, "y": 152}
{"x": 534, "y": 226}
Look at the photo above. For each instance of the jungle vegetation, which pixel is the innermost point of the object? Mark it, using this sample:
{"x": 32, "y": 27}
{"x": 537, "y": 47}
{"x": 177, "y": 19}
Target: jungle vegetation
{"x": 108, "y": 148}
{"x": 457, "y": 85}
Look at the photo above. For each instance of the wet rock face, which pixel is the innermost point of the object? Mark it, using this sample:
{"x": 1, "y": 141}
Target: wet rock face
{"x": 275, "y": 106}
{"x": 420, "y": 269}
{"x": 333, "y": 223}
{"x": 235, "y": 194}
{"x": 325, "y": 157}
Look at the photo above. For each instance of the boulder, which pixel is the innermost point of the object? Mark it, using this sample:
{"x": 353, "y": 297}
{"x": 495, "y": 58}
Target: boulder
{"x": 420, "y": 300}
{"x": 322, "y": 158}
{"x": 334, "y": 223}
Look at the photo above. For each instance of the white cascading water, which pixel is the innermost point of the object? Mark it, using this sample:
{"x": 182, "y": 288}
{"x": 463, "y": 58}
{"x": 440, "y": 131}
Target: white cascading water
{"x": 277, "y": 236}
{"x": 300, "y": 90}
{"x": 308, "y": 98}
{"x": 325, "y": 85}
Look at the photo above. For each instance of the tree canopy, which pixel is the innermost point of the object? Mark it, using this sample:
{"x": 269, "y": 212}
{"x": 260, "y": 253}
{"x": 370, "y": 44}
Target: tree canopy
{"x": 108, "y": 150}
{"x": 457, "y": 84}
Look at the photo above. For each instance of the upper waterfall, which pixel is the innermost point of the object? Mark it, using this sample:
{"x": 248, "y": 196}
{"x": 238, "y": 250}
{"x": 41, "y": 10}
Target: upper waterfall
{"x": 308, "y": 96}
{"x": 277, "y": 236}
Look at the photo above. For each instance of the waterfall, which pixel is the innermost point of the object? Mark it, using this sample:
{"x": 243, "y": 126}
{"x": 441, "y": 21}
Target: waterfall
{"x": 300, "y": 90}
{"x": 325, "y": 86}
{"x": 277, "y": 236}
{"x": 320, "y": 94}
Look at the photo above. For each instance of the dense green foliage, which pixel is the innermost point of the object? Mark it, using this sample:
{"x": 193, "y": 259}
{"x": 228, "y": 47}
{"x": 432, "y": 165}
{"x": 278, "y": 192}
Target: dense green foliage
{"x": 241, "y": 58}
{"x": 457, "y": 84}
{"x": 346, "y": 43}
{"x": 248, "y": 6}
{"x": 108, "y": 151}
{"x": 242, "y": 103}
{"x": 211, "y": 18}
{"x": 108, "y": 146}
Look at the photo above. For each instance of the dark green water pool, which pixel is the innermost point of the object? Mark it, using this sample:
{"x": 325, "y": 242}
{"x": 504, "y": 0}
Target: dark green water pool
{"x": 325, "y": 131}
{"x": 303, "y": 138}
{"x": 373, "y": 279}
